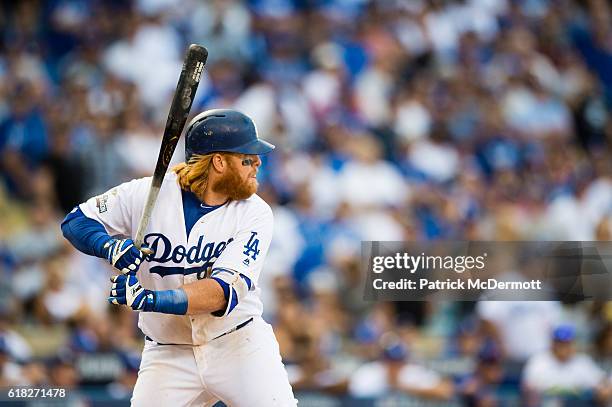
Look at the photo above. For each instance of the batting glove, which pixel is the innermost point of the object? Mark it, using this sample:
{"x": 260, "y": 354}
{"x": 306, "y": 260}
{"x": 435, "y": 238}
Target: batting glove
{"x": 123, "y": 255}
{"x": 126, "y": 290}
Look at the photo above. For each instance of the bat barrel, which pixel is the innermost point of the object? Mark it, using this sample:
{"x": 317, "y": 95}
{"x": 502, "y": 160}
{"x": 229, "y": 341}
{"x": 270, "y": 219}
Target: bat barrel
{"x": 191, "y": 73}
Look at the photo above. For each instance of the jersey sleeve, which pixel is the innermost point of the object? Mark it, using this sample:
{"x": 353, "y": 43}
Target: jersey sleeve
{"x": 246, "y": 253}
{"x": 114, "y": 208}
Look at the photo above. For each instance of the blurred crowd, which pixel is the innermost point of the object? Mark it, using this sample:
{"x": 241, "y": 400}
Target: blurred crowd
{"x": 393, "y": 120}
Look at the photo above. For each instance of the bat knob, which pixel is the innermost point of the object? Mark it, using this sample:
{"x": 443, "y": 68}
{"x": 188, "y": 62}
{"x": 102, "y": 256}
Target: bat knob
{"x": 146, "y": 251}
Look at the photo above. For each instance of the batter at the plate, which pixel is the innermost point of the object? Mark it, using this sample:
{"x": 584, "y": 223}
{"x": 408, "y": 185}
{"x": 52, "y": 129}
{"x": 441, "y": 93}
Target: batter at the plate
{"x": 198, "y": 291}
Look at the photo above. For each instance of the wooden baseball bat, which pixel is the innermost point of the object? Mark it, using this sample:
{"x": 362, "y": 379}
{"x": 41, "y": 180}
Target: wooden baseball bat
{"x": 188, "y": 82}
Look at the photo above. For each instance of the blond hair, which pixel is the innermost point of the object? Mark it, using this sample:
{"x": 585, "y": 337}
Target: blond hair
{"x": 193, "y": 175}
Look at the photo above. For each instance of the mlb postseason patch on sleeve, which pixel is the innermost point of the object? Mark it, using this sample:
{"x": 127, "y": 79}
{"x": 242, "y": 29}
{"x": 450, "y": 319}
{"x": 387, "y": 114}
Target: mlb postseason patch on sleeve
{"x": 101, "y": 203}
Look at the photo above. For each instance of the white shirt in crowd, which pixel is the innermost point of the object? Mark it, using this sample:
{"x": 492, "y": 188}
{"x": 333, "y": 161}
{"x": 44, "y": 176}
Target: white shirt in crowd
{"x": 544, "y": 372}
{"x": 524, "y": 326}
{"x": 371, "y": 380}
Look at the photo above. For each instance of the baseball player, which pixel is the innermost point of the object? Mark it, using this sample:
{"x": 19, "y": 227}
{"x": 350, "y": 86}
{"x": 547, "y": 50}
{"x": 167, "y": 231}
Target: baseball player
{"x": 197, "y": 292}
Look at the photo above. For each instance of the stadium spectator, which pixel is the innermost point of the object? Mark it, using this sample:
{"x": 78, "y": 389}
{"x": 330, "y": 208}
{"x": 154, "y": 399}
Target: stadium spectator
{"x": 395, "y": 373}
{"x": 562, "y": 371}
{"x": 10, "y": 372}
{"x": 482, "y": 388}
{"x": 520, "y": 327}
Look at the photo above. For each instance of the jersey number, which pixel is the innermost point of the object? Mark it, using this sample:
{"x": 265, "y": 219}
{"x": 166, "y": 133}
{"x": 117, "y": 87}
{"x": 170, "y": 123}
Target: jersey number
{"x": 252, "y": 246}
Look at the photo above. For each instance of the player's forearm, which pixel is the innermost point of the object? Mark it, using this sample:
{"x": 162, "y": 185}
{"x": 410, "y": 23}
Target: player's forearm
{"x": 201, "y": 297}
{"x": 204, "y": 296}
{"x": 85, "y": 234}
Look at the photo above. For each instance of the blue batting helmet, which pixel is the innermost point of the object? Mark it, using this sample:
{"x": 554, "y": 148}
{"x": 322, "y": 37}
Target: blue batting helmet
{"x": 223, "y": 130}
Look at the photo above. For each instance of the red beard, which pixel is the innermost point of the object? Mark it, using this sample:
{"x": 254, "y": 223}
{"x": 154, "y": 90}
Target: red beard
{"x": 233, "y": 186}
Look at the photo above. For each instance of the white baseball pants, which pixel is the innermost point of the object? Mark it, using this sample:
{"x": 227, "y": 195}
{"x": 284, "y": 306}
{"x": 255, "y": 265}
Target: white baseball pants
{"x": 242, "y": 369}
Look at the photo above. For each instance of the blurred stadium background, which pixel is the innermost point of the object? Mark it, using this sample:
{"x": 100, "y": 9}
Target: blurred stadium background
{"x": 393, "y": 120}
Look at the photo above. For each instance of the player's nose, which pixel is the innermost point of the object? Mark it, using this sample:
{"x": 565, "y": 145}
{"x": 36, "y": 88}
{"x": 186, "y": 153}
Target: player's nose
{"x": 256, "y": 161}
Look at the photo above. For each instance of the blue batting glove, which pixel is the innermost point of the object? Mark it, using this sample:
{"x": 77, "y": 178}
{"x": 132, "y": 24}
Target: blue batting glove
{"x": 126, "y": 290}
{"x": 124, "y": 255}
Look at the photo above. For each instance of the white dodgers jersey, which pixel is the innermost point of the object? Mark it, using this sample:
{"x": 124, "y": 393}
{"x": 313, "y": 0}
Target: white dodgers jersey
{"x": 233, "y": 236}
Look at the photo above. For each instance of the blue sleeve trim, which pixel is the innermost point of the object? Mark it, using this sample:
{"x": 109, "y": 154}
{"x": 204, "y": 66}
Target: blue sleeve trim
{"x": 171, "y": 302}
{"x": 226, "y": 294}
{"x": 218, "y": 271}
{"x": 234, "y": 301}
{"x": 230, "y": 296}
{"x": 247, "y": 280}
{"x": 224, "y": 285}
{"x": 86, "y": 234}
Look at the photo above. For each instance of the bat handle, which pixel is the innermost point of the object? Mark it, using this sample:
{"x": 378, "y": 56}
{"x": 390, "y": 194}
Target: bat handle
{"x": 146, "y": 216}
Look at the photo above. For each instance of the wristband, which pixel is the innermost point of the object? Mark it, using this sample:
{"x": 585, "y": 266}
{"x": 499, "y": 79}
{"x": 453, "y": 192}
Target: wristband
{"x": 170, "y": 302}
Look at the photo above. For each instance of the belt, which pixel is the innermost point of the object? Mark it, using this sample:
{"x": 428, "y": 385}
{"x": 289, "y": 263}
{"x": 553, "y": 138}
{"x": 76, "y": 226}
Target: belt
{"x": 159, "y": 343}
{"x": 234, "y": 329}
{"x": 237, "y": 327}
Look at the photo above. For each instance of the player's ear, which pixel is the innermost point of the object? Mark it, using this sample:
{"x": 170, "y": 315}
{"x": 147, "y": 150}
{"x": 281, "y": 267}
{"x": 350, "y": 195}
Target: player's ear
{"x": 218, "y": 162}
